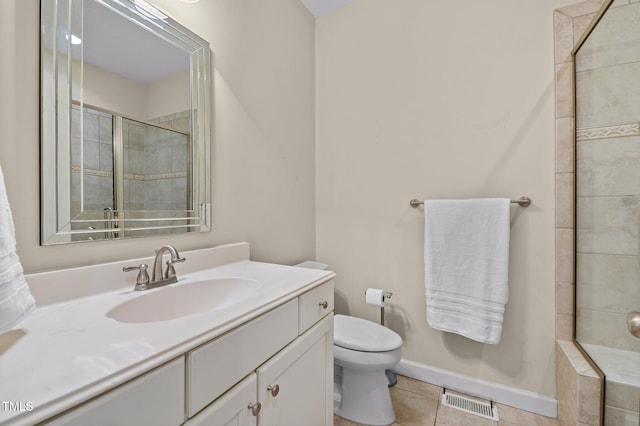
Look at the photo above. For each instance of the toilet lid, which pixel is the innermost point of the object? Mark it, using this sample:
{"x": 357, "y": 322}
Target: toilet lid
{"x": 361, "y": 335}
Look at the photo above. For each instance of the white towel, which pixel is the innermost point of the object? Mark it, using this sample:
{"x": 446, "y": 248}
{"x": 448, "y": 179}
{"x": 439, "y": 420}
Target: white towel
{"x": 16, "y": 300}
{"x": 466, "y": 256}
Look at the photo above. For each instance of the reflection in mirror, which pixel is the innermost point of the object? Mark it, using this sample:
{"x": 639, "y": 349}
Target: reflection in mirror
{"x": 125, "y": 129}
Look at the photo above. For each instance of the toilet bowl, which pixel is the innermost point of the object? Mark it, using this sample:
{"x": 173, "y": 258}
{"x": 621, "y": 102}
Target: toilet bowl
{"x": 363, "y": 350}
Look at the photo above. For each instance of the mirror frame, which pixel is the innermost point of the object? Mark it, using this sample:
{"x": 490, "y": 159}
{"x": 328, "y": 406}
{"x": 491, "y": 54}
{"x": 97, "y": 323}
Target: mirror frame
{"x": 59, "y": 18}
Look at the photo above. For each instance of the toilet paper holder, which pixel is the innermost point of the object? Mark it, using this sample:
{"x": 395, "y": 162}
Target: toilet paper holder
{"x": 386, "y": 295}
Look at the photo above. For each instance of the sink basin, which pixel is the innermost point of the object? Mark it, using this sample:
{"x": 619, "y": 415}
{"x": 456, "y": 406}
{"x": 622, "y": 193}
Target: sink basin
{"x": 167, "y": 303}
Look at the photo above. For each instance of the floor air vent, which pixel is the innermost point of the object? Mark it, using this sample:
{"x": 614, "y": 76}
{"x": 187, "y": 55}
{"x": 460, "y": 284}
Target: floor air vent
{"x": 470, "y": 405}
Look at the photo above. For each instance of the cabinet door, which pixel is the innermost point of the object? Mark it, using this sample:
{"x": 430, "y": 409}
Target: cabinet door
{"x": 234, "y": 408}
{"x": 296, "y": 386}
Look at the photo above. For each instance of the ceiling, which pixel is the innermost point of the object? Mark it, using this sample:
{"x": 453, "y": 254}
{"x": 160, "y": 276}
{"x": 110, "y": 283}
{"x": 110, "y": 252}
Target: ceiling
{"x": 321, "y": 7}
{"x": 107, "y": 44}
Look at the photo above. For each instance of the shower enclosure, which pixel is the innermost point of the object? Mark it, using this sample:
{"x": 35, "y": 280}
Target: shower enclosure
{"x": 607, "y": 76}
{"x": 121, "y": 164}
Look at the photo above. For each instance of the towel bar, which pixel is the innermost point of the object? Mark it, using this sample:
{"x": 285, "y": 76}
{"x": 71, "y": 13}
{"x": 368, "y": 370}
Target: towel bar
{"x": 522, "y": 201}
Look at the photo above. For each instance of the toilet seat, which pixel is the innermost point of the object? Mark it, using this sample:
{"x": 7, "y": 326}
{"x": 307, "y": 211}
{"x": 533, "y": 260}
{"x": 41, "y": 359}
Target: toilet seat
{"x": 361, "y": 335}
{"x": 366, "y": 361}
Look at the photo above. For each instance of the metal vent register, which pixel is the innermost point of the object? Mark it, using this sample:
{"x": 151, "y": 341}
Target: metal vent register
{"x": 469, "y": 405}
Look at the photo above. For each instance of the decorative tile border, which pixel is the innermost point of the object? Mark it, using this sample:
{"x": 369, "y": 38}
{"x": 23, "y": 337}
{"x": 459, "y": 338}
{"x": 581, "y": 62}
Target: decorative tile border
{"x": 130, "y": 176}
{"x": 141, "y": 177}
{"x": 91, "y": 172}
{"x": 621, "y": 130}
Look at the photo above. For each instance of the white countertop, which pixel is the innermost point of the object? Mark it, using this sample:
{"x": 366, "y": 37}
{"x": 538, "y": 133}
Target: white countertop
{"x": 65, "y": 353}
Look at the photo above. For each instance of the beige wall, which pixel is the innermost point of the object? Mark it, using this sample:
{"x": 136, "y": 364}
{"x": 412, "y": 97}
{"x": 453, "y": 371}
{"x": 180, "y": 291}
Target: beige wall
{"x": 263, "y": 132}
{"x": 168, "y": 96}
{"x": 434, "y": 99}
{"x": 113, "y": 92}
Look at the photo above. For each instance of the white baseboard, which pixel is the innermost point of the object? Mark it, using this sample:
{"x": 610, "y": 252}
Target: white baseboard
{"x": 513, "y": 397}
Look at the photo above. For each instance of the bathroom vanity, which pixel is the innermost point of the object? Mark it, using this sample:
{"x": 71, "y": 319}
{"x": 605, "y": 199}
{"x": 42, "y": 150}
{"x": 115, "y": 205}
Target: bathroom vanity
{"x": 262, "y": 356}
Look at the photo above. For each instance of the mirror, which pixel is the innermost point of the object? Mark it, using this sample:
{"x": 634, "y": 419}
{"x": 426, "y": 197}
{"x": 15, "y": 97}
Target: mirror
{"x": 125, "y": 107}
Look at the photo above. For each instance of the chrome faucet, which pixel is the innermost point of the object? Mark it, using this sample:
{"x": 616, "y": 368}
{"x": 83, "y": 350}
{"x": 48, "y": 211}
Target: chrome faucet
{"x": 158, "y": 278}
{"x": 169, "y": 275}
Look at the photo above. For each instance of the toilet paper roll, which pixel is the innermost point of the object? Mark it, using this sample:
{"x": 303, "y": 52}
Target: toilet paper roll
{"x": 375, "y": 296}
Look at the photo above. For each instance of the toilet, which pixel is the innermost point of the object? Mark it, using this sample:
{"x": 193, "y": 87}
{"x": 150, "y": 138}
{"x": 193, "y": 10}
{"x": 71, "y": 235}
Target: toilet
{"x": 362, "y": 351}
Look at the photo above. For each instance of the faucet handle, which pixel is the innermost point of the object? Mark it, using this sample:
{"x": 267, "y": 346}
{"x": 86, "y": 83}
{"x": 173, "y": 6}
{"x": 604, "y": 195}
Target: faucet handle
{"x": 171, "y": 271}
{"x": 143, "y": 276}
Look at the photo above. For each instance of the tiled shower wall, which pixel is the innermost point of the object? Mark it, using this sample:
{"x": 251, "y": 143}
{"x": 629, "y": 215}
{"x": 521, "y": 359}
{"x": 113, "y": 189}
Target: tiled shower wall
{"x": 92, "y": 162}
{"x": 156, "y": 164}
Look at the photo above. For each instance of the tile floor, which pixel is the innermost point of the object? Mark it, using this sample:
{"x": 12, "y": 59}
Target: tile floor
{"x": 418, "y": 404}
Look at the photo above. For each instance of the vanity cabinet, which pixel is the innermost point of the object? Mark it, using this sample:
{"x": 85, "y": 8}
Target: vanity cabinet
{"x": 274, "y": 370}
{"x": 294, "y": 381}
{"x": 292, "y": 388}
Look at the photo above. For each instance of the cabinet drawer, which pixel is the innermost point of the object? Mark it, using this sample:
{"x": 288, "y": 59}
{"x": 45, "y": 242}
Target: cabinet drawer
{"x": 156, "y": 398}
{"x": 218, "y": 365}
{"x": 312, "y": 308}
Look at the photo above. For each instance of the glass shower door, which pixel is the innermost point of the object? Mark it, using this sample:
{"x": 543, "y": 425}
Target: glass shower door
{"x": 607, "y": 70}
{"x": 128, "y": 176}
{"x": 156, "y": 176}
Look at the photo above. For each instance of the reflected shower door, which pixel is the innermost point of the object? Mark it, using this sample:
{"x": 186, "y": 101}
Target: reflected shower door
{"x": 124, "y": 171}
{"x": 156, "y": 172}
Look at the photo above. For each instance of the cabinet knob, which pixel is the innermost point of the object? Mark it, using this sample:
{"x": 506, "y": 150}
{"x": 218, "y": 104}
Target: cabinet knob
{"x": 255, "y": 408}
{"x": 324, "y": 304}
{"x": 274, "y": 389}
